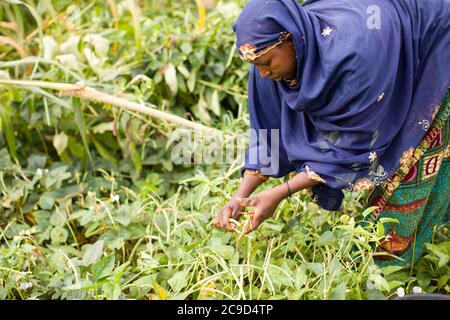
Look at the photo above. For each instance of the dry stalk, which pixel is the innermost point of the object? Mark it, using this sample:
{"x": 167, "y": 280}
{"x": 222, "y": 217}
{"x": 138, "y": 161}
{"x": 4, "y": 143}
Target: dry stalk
{"x": 87, "y": 93}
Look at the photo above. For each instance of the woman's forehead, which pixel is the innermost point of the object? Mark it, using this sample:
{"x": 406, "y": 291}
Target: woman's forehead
{"x": 270, "y": 54}
{"x": 262, "y": 59}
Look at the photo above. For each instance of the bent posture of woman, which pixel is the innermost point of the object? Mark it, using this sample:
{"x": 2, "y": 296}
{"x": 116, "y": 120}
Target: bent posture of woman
{"x": 349, "y": 94}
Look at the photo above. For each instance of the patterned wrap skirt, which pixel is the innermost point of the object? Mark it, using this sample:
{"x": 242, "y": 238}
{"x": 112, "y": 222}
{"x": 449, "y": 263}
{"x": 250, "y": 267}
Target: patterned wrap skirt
{"x": 417, "y": 195}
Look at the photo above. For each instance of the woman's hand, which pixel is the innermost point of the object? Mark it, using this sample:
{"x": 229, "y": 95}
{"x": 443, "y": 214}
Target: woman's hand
{"x": 231, "y": 210}
{"x": 264, "y": 203}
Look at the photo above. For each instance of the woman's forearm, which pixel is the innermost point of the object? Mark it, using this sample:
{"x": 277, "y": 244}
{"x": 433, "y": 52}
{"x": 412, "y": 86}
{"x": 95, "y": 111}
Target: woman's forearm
{"x": 296, "y": 183}
{"x": 248, "y": 185}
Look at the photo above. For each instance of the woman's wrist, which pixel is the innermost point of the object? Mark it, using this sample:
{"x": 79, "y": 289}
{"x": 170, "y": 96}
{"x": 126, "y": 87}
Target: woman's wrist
{"x": 281, "y": 192}
{"x": 295, "y": 184}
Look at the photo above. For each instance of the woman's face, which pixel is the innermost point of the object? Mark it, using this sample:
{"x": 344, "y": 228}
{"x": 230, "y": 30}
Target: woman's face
{"x": 279, "y": 63}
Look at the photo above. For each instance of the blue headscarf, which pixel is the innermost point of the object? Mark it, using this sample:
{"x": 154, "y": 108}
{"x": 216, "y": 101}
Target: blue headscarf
{"x": 366, "y": 91}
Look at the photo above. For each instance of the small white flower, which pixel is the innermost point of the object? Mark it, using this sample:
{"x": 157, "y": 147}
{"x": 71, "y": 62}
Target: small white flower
{"x": 380, "y": 97}
{"x": 39, "y": 173}
{"x": 373, "y": 156}
{"x": 25, "y": 285}
{"x": 351, "y": 221}
{"x": 115, "y": 197}
{"x": 326, "y": 32}
{"x": 417, "y": 290}
{"x": 400, "y": 292}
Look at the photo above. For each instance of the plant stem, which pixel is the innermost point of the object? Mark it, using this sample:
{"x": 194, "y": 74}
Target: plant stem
{"x": 67, "y": 89}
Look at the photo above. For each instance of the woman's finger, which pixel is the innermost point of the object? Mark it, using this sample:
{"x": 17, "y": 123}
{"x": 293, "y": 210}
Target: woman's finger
{"x": 218, "y": 221}
{"x": 224, "y": 219}
{"x": 237, "y": 213}
{"x": 254, "y": 223}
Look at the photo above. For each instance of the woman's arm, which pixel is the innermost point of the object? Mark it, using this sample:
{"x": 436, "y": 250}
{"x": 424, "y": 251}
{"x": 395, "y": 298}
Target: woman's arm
{"x": 251, "y": 181}
{"x": 298, "y": 182}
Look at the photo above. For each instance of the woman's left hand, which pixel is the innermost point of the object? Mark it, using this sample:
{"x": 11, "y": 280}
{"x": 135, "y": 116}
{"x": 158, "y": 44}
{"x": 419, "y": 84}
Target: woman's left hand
{"x": 264, "y": 203}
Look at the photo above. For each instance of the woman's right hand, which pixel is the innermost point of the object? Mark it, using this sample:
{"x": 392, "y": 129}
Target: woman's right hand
{"x": 232, "y": 209}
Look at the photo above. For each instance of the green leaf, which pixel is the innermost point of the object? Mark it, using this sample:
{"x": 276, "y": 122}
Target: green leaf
{"x": 82, "y": 285}
{"x": 76, "y": 148}
{"x": 6, "y": 124}
{"x": 424, "y": 279}
{"x": 339, "y": 292}
{"x": 192, "y": 81}
{"x": 49, "y": 48}
{"x": 300, "y": 277}
{"x": 34, "y": 162}
{"x": 387, "y": 220}
{"x": 46, "y": 202}
{"x": 69, "y": 61}
{"x": 136, "y": 157}
{"x": 119, "y": 271}
{"x": 316, "y": 268}
{"x": 279, "y": 278}
{"x": 390, "y": 269}
{"x": 375, "y": 294}
{"x": 200, "y": 110}
{"x": 94, "y": 62}
{"x": 369, "y": 210}
{"x": 60, "y": 141}
{"x": 395, "y": 284}
{"x": 214, "y": 106}
{"x": 178, "y": 281}
{"x": 380, "y": 229}
{"x": 70, "y": 45}
{"x": 103, "y": 268}
{"x": 58, "y": 218}
{"x": 326, "y": 238}
{"x": 186, "y": 47}
{"x": 5, "y": 160}
{"x": 58, "y": 235}
{"x": 184, "y": 71}
{"x": 81, "y": 125}
{"x": 104, "y": 153}
{"x": 223, "y": 250}
{"x": 334, "y": 269}
{"x": 380, "y": 283}
{"x": 443, "y": 281}
{"x": 103, "y": 127}
{"x": 111, "y": 290}
{"x": 170, "y": 76}
{"x": 93, "y": 253}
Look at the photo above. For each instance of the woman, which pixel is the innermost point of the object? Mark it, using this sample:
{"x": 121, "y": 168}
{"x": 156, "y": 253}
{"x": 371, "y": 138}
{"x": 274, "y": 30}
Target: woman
{"x": 355, "y": 91}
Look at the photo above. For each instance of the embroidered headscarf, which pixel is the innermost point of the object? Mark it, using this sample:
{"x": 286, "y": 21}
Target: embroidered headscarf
{"x": 370, "y": 76}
